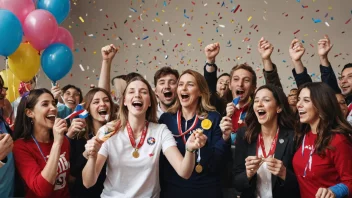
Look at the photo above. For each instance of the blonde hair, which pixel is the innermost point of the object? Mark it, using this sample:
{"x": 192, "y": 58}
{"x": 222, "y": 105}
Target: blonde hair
{"x": 203, "y": 106}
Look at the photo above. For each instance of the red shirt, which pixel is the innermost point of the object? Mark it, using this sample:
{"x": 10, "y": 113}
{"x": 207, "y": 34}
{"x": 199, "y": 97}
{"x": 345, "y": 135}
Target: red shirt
{"x": 30, "y": 162}
{"x": 236, "y": 122}
{"x": 334, "y": 168}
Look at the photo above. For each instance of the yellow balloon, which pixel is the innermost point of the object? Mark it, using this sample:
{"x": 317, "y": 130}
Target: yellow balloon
{"x": 12, "y": 83}
{"x": 25, "y": 62}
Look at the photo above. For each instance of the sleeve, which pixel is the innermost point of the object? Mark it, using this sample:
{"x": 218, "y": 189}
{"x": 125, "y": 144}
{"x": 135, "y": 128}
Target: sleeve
{"x": 211, "y": 79}
{"x": 272, "y": 77}
{"x": 104, "y": 150}
{"x": 239, "y": 175}
{"x": 342, "y": 159}
{"x": 30, "y": 171}
{"x": 301, "y": 78}
{"x": 328, "y": 77}
{"x": 167, "y": 140}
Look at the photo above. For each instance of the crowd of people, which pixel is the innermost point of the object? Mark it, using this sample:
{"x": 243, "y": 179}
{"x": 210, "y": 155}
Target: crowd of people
{"x": 193, "y": 135}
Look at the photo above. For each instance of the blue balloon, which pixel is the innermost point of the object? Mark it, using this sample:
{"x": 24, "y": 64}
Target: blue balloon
{"x": 10, "y": 32}
{"x": 59, "y": 8}
{"x": 57, "y": 60}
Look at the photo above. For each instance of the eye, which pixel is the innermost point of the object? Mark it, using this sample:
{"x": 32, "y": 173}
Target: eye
{"x": 256, "y": 101}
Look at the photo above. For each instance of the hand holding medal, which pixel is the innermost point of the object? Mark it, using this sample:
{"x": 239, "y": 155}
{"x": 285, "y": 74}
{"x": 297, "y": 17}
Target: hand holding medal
{"x": 252, "y": 164}
{"x": 196, "y": 140}
{"x": 276, "y": 167}
{"x": 226, "y": 127}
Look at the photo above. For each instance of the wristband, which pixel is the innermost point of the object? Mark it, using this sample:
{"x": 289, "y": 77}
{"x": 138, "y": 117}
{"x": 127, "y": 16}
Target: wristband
{"x": 210, "y": 64}
{"x": 191, "y": 151}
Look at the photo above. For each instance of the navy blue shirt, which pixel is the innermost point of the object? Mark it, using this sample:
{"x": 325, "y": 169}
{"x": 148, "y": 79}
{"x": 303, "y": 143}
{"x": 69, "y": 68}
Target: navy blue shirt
{"x": 213, "y": 157}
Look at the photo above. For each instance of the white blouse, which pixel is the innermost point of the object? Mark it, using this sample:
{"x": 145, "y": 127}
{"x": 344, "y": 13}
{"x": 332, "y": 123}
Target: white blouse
{"x": 264, "y": 188}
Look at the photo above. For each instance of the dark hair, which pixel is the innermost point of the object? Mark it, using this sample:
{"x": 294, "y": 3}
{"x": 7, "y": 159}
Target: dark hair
{"x": 348, "y": 65}
{"x": 23, "y": 124}
{"x": 331, "y": 120}
{"x": 227, "y": 97}
{"x": 293, "y": 89}
{"x": 88, "y": 100}
{"x": 65, "y": 88}
{"x": 1, "y": 82}
{"x": 224, "y": 74}
{"x": 163, "y": 72}
{"x": 247, "y": 68}
{"x": 285, "y": 118}
{"x": 123, "y": 77}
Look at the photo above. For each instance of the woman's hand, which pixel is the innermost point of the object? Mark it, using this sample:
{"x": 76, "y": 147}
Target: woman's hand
{"x": 77, "y": 125}
{"x": 56, "y": 91}
{"x": 230, "y": 109}
{"x": 59, "y": 130}
{"x": 252, "y": 165}
{"x": 324, "y": 193}
{"x": 276, "y": 167}
{"x": 226, "y": 127}
{"x": 196, "y": 141}
{"x": 93, "y": 146}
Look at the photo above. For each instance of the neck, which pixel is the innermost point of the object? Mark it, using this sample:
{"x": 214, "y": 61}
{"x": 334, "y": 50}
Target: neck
{"x": 189, "y": 112}
{"x": 242, "y": 103}
{"x": 269, "y": 130}
{"x": 41, "y": 134}
{"x": 163, "y": 107}
{"x": 96, "y": 126}
{"x": 314, "y": 126}
{"x": 137, "y": 123}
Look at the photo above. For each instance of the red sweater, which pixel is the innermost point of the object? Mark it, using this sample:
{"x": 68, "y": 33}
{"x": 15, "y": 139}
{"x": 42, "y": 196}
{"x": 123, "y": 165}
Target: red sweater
{"x": 30, "y": 163}
{"x": 334, "y": 168}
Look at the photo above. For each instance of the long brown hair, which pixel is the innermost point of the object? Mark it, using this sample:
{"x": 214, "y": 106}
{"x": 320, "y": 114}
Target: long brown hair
{"x": 331, "y": 120}
{"x": 203, "y": 106}
{"x": 151, "y": 115}
{"x": 285, "y": 118}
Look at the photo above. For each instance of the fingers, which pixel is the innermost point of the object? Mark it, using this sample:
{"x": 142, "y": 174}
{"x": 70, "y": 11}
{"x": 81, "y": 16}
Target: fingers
{"x": 320, "y": 193}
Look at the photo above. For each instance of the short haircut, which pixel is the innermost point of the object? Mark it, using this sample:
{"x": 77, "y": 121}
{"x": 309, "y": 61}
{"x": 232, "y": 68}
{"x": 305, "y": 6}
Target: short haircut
{"x": 224, "y": 74}
{"x": 65, "y": 88}
{"x": 247, "y": 68}
{"x": 163, "y": 72}
{"x": 348, "y": 65}
{"x": 126, "y": 78}
{"x": 123, "y": 77}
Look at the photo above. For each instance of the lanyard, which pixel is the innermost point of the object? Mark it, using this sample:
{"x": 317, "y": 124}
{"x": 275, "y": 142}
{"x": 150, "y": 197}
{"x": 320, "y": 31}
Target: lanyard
{"x": 261, "y": 144}
{"x": 182, "y": 134}
{"x": 130, "y": 135}
{"x": 40, "y": 150}
{"x": 310, "y": 160}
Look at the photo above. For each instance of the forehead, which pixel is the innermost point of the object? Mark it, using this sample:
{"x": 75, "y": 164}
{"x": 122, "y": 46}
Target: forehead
{"x": 304, "y": 92}
{"x": 187, "y": 77}
{"x": 99, "y": 94}
{"x": 168, "y": 77}
{"x": 224, "y": 78}
{"x": 264, "y": 93}
{"x": 45, "y": 96}
{"x": 72, "y": 90}
{"x": 347, "y": 71}
{"x": 293, "y": 91}
{"x": 137, "y": 85}
{"x": 242, "y": 73}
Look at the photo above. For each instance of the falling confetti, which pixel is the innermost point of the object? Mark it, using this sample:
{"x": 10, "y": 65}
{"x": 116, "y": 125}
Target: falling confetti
{"x": 80, "y": 18}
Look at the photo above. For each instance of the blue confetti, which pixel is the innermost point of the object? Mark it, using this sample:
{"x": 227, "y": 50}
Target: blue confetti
{"x": 332, "y": 18}
{"x": 223, "y": 4}
{"x": 233, "y": 9}
{"x": 157, "y": 14}
{"x": 316, "y": 20}
{"x": 133, "y": 10}
{"x": 164, "y": 3}
{"x": 298, "y": 1}
{"x": 217, "y": 29}
{"x": 303, "y": 41}
{"x": 284, "y": 61}
{"x": 145, "y": 37}
{"x": 186, "y": 16}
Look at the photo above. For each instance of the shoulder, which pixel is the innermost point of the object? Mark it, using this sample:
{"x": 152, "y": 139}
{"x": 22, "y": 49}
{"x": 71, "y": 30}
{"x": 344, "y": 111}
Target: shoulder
{"x": 166, "y": 117}
{"x": 156, "y": 127}
{"x": 241, "y": 131}
{"x": 339, "y": 140}
{"x": 20, "y": 143}
{"x": 214, "y": 114}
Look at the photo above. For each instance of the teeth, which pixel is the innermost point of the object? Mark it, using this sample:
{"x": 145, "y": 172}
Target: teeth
{"x": 50, "y": 116}
{"x": 101, "y": 110}
{"x": 261, "y": 111}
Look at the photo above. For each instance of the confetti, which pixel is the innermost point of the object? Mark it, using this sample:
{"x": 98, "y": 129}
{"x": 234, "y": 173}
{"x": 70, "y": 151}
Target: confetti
{"x": 316, "y": 20}
{"x": 166, "y": 56}
{"x": 133, "y": 10}
{"x": 145, "y": 38}
{"x": 249, "y": 18}
{"x": 82, "y": 68}
{"x": 348, "y": 21}
{"x": 296, "y": 31}
{"x": 80, "y": 18}
{"x": 161, "y": 34}
{"x": 327, "y": 24}
{"x": 222, "y": 26}
{"x": 164, "y": 3}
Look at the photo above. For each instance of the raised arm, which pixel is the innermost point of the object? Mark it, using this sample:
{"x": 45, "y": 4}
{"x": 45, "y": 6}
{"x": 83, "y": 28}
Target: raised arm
{"x": 210, "y": 69}
{"x": 108, "y": 53}
{"x": 299, "y": 72}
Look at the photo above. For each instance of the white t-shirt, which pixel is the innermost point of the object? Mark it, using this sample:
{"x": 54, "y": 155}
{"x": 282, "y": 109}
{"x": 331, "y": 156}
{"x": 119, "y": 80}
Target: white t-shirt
{"x": 264, "y": 187}
{"x": 127, "y": 176}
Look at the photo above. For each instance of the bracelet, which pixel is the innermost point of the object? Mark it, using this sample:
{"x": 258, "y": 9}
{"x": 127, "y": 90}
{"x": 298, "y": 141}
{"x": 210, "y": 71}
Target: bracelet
{"x": 191, "y": 151}
{"x": 210, "y": 64}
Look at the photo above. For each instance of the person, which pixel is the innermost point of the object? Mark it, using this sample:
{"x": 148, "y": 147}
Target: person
{"x": 99, "y": 105}
{"x": 342, "y": 103}
{"x": 165, "y": 82}
{"x": 265, "y": 148}
{"x": 132, "y": 154}
{"x": 292, "y": 99}
{"x": 41, "y": 150}
{"x": 7, "y": 165}
{"x": 23, "y": 88}
{"x": 323, "y": 159}
{"x": 193, "y": 111}
{"x": 67, "y": 99}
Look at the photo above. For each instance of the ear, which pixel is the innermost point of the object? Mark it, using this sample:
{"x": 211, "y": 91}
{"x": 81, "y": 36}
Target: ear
{"x": 278, "y": 110}
{"x": 29, "y": 113}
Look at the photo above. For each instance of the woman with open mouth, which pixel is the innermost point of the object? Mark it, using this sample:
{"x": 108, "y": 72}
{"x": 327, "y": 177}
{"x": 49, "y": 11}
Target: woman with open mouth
{"x": 132, "y": 153}
{"x": 265, "y": 148}
{"x": 192, "y": 112}
{"x": 323, "y": 159}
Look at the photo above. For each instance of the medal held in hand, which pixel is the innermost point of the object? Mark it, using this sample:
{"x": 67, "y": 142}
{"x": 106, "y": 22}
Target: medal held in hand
{"x": 135, "y": 153}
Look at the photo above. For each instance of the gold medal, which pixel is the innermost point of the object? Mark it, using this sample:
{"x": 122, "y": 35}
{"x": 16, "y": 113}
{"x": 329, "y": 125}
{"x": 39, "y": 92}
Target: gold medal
{"x": 135, "y": 153}
{"x": 199, "y": 168}
{"x": 206, "y": 124}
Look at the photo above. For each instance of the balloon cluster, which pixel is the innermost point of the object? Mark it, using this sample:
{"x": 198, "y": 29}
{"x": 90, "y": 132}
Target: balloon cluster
{"x": 29, "y": 28}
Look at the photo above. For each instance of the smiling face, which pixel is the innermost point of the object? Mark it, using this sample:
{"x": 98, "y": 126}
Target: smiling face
{"x": 137, "y": 98}
{"x": 188, "y": 91}
{"x": 265, "y": 107}
{"x": 292, "y": 97}
{"x": 100, "y": 107}
{"x": 165, "y": 89}
{"x": 71, "y": 97}
{"x": 44, "y": 112}
{"x": 222, "y": 85}
{"x": 306, "y": 109}
{"x": 241, "y": 84}
{"x": 345, "y": 82}
{"x": 342, "y": 103}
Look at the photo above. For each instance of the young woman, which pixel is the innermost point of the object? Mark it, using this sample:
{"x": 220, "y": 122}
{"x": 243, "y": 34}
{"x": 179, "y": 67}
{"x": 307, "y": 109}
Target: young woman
{"x": 323, "y": 159}
{"x": 132, "y": 154}
{"x": 99, "y": 104}
{"x": 264, "y": 150}
{"x": 41, "y": 150}
{"x": 191, "y": 111}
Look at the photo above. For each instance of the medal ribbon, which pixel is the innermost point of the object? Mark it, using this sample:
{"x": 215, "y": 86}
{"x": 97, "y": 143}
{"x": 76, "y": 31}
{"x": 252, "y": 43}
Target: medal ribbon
{"x": 130, "y": 135}
{"x": 40, "y": 150}
{"x": 310, "y": 160}
{"x": 261, "y": 144}
{"x": 182, "y": 134}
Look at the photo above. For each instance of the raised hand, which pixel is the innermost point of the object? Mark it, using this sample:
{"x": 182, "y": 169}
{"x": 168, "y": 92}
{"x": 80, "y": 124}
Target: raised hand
{"x": 108, "y": 52}
{"x": 56, "y": 91}
{"x": 276, "y": 167}
{"x": 93, "y": 146}
{"x": 196, "y": 141}
{"x": 59, "y": 129}
{"x": 252, "y": 164}
{"x": 324, "y": 46}
{"x": 265, "y": 48}
{"x": 296, "y": 50}
{"x": 226, "y": 127}
{"x": 230, "y": 109}
{"x": 6, "y": 145}
{"x": 211, "y": 51}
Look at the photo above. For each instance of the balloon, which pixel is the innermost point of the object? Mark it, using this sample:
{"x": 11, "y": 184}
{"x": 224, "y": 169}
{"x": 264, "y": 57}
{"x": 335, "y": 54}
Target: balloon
{"x": 40, "y": 29}
{"x": 59, "y": 8}
{"x": 21, "y": 8}
{"x": 10, "y": 33}
{"x": 57, "y": 61}
{"x": 65, "y": 37}
{"x": 12, "y": 83}
{"x": 25, "y": 62}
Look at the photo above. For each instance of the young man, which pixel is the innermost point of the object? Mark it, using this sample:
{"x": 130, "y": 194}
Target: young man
{"x": 165, "y": 81}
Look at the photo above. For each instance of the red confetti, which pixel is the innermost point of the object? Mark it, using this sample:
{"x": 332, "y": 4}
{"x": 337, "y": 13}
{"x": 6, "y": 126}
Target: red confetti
{"x": 296, "y": 31}
{"x": 176, "y": 45}
{"x": 348, "y": 21}
{"x": 302, "y": 17}
{"x": 115, "y": 25}
{"x": 193, "y": 3}
{"x": 107, "y": 16}
{"x": 236, "y": 9}
{"x": 131, "y": 30}
{"x": 189, "y": 34}
{"x": 84, "y": 49}
{"x": 317, "y": 11}
{"x": 85, "y": 33}
{"x": 312, "y": 45}
{"x": 126, "y": 60}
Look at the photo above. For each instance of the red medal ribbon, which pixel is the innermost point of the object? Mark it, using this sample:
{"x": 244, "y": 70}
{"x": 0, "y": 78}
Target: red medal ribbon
{"x": 182, "y": 134}
{"x": 130, "y": 135}
{"x": 261, "y": 144}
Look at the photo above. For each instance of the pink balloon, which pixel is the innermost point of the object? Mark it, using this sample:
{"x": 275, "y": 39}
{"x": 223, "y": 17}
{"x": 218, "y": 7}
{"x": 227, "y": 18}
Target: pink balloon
{"x": 20, "y": 8}
{"x": 40, "y": 28}
{"x": 65, "y": 37}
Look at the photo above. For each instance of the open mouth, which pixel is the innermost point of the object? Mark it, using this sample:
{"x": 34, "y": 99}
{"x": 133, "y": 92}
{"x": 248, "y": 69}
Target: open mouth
{"x": 302, "y": 112}
{"x": 71, "y": 102}
{"x": 137, "y": 104}
{"x": 184, "y": 96}
{"x": 239, "y": 92}
{"x": 51, "y": 117}
{"x": 103, "y": 112}
{"x": 168, "y": 94}
{"x": 261, "y": 112}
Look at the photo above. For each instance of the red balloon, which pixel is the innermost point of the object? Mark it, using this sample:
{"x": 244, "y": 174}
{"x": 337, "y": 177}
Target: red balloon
{"x": 40, "y": 28}
{"x": 65, "y": 37}
{"x": 20, "y": 8}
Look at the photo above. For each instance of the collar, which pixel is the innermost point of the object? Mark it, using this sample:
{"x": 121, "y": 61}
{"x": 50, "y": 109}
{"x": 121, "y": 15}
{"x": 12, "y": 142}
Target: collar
{"x": 159, "y": 108}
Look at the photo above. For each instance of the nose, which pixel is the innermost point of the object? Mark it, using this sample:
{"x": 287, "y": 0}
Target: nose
{"x": 241, "y": 82}
{"x": 167, "y": 85}
{"x": 299, "y": 104}
{"x": 137, "y": 94}
{"x": 260, "y": 103}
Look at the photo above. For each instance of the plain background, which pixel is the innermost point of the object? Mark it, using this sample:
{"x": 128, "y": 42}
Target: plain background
{"x": 141, "y": 31}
